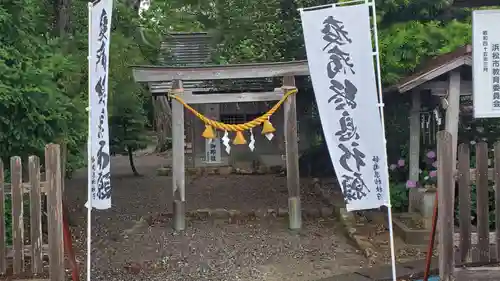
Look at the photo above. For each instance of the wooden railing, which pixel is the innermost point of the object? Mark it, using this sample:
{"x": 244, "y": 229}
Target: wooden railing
{"x": 465, "y": 176}
{"x": 38, "y": 248}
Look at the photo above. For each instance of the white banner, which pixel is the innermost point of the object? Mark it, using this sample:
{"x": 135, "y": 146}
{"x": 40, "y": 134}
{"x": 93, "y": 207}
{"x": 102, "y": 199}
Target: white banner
{"x": 486, "y": 63}
{"x": 340, "y": 57}
{"x": 99, "y": 161}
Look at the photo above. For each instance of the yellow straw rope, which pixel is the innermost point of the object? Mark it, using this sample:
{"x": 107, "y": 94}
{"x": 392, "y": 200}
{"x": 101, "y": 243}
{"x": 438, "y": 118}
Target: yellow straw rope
{"x": 235, "y": 127}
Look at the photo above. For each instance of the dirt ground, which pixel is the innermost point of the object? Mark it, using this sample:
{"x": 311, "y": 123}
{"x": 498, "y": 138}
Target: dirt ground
{"x": 247, "y": 249}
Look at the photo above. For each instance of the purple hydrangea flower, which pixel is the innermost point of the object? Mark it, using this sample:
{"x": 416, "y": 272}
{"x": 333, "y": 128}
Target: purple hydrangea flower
{"x": 431, "y": 154}
{"x": 435, "y": 164}
{"x": 393, "y": 167}
{"x": 401, "y": 163}
{"x": 433, "y": 174}
{"x": 411, "y": 184}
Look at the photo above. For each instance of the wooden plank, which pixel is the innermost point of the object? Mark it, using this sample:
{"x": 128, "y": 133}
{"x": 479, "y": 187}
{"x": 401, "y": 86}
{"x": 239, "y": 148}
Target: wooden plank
{"x": 452, "y": 112}
{"x": 17, "y": 214}
{"x": 178, "y": 161}
{"x": 445, "y": 205}
{"x": 54, "y": 202}
{"x": 191, "y": 98}
{"x": 64, "y": 156}
{"x": 35, "y": 215}
{"x": 28, "y": 251}
{"x": 292, "y": 156}
{"x": 482, "y": 201}
{"x": 211, "y": 72}
{"x": 441, "y": 87}
{"x": 497, "y": 198}
{"x": 26, "y": 187}
{"x": 414, "y": 194}
{"x": 473, "y": 174}
{"x": 464, "y": 190}
{"x": 3, "y": 242}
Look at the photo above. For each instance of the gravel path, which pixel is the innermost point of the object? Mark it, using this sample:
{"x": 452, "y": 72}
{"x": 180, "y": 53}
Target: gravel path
{"x": 246, "y": 249}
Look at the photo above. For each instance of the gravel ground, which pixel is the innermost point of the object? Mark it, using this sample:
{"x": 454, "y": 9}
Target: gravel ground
{"x": 246, "y": 249}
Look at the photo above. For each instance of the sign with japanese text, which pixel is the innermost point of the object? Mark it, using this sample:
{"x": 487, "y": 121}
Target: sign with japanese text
{"x": 486, "y": 63}
{"x": 340, "y": 57}
{"x": 99, "y": 162}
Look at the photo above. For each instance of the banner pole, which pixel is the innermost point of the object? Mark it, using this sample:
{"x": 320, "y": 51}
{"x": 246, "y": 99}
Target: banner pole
{"x": 381, "y": 109}
{"x": 89, "y": 151}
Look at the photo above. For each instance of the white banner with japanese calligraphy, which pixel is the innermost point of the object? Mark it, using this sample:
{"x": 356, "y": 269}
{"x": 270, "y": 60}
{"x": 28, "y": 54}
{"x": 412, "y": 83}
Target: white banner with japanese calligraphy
{"x": 99, "y": 161}
{"x": 486, "y": 63}
{"x": 340, "y": 56}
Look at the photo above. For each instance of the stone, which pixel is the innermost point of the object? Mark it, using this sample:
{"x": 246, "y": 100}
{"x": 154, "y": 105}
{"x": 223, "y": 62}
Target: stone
{"x": 272, "y": 212}
{"x": 313, "y": 213}
{"x": 220, "y": 213}
{"x": 210, "y": 171}
{"x": 164, "y": 172}
{"x": 282, "y": 212}
{"x": 275, "y": 169}
{"x": 133, "y": 267}
{"x": 225, "y": 171}
{"x": 234, "y": 213}
{"x": 193, "y": 171}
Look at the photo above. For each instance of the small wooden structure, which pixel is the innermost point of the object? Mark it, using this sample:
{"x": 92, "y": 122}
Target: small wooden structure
{"x": 467, "y": 252}
{"x": 178, "y": 75}
{"x": 37, "y": 250}
{"x": 448, "y": 77}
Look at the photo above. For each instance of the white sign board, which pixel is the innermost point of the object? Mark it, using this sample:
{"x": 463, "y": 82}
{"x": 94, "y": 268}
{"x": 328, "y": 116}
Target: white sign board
{"x": 99, "y": 162}
{"x": 212, "y": 150}
{"x": 340, "y": 56}
{"x": 486, "y": 63}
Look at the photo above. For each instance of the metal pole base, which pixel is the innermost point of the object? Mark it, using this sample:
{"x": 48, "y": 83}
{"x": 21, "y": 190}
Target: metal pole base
{"x": 179, "y": 215}
{"x": 294, "y": 213}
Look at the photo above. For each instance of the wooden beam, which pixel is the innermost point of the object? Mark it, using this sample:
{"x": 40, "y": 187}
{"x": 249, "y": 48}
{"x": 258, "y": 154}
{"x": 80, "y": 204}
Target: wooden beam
{"x": 430, "y": 75}
{"x": 178, "y": 160}
{"x": 212, "y": 72}
{"x": 191, "y": 98}
{"x": 452, "y": 112}
{"x": 26, "y": 187}
{"x": 292, "y": 156}
{"x": 414, "y": 194}
{"x": 440, "y": 88}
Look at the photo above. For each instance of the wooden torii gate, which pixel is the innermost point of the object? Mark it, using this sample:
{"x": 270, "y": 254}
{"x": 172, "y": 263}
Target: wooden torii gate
{"x": 178, "y": 75}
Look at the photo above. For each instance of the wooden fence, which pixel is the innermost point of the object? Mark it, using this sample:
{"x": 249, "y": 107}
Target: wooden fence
{"x": 481, "y": 251}
{"x": 38, "y": 248}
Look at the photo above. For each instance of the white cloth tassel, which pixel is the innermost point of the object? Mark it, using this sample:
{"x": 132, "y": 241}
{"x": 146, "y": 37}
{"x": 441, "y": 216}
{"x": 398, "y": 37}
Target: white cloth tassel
{"x": 225, "y": 141}
{"x": 252, "y": 141}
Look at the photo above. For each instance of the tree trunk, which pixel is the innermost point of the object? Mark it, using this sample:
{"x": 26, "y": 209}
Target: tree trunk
{"x": 131, "y": 160}
{"x": 62, "y": 9}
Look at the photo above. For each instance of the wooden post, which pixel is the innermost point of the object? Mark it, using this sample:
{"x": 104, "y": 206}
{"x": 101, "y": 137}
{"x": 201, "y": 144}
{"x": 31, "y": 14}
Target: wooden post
{"x": 17, "y": 214}
{"x": 446, "y": 188}
{"x": 482, "y": 202}
{"x": 35, "y": 215}
{"x": 292, "y": 156}
{"x": 55, "y": 210}
{"x": 464, "y": 203}
{"x": 452, "y": 112}
{"x": 414, "y": 194}
{"x": 178, "y": 164}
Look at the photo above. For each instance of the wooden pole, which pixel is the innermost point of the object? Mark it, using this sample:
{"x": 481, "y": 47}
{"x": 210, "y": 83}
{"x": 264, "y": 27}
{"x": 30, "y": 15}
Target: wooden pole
{"x": 414, "y": 150}
{"x": 446, "y": 189}
{"x": 178, "y": 159}
{"x": 292, "y": 156}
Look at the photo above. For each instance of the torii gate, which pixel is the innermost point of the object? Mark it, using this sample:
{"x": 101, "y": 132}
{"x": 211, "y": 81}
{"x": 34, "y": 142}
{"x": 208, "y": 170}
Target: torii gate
{"x": 178, "y": 75}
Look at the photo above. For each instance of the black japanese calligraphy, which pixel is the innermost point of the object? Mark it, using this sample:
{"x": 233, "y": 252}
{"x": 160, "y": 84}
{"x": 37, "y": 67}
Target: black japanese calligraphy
{"x": 103, "y": 178}
{"x": 339, "y": 60}
{"x": 101, "y": 56}
{"x": 334, "y": 32}
{"x": 103, "y": 25}
{"x": 345, "y": 94}
{"x": 376, "y": 177}
{"x": 100, "y": 126}
{"x": 495, "y": 75}
{"x": 348, "y": 130}
{"x": 355, "y": 154}
{"x": 100, "y": 88}
{"x": 353, "y": 187}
